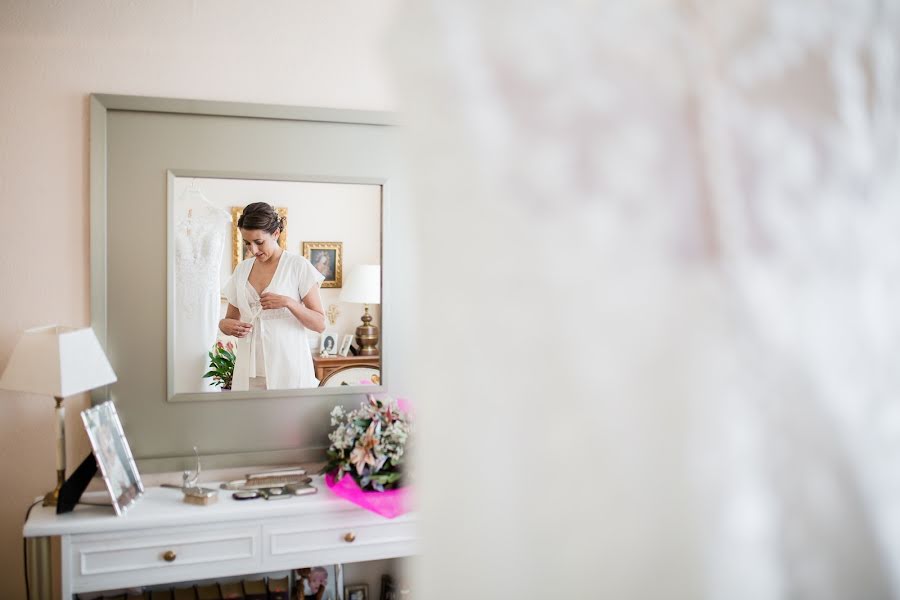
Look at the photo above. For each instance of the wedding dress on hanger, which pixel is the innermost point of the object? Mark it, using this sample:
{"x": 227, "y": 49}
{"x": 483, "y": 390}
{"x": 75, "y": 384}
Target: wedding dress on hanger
{"x": 684, "y": 216}
{"x": 201, "y": 232}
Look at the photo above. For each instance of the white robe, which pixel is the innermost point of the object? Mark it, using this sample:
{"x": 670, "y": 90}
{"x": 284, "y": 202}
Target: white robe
{"x": 277, "y": 333}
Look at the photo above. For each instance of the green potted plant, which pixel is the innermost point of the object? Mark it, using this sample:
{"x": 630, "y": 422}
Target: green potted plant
{"x": 221, "y": 365}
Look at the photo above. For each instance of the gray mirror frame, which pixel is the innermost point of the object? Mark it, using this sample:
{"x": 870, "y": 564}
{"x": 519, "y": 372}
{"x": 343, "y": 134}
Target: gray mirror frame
{"x": 101, "y": 104}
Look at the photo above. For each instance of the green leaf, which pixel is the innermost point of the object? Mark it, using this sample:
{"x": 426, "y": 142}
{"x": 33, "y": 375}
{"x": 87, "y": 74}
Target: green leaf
{"x": 386, "y": 477}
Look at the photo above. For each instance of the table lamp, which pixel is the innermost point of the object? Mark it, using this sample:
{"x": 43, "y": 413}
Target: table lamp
{"x": 59, "y": 362}
{"x": 363, "y": 286}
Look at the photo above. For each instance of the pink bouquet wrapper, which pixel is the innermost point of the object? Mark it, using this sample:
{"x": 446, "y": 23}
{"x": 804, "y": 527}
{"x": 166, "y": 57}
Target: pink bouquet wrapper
{"x": 389, "y": 503}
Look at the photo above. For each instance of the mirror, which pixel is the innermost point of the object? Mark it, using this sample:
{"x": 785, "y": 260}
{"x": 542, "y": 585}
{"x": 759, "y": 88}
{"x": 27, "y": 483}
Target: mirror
{"x": 331, "y": 237}
{"x": 140, "y": 148}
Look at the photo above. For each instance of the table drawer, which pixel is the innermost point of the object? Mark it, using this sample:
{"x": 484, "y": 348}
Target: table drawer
{"x": 324, "y": 540}
{"x": 185, "y": 553}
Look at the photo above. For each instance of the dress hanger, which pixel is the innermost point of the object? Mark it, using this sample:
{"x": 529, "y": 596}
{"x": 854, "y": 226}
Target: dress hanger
{"x": 192, "y": 195}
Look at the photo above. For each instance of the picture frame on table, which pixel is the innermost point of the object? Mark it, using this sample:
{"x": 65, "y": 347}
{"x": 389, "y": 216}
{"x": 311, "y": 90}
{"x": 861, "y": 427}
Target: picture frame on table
{"x": 388, "y": 588}
{"x": 310, "y": 580}
{"x": 356, "y": 592}
{"x": 328, "y": 343}
{"x": 345, "y": 345}
{"x": 328, "y": 259}
{"x": 238, "y": 248}
{"x": 113, "y": 455}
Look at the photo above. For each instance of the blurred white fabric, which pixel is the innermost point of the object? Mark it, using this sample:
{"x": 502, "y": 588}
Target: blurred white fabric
{"x": 673, "y": 229}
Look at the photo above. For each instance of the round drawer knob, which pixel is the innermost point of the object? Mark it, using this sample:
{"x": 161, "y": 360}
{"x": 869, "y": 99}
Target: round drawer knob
{"x": 350, "y": 537}
{"x": 169, "y": 556}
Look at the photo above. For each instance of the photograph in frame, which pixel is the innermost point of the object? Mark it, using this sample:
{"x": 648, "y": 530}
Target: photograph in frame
{"x": 356, "y": 592}
{"x": 321, "y": 582}
{"x": 328, "y": 345}
{"x": 388, "y": 589}
{"x": 113, "y": 455}
{"x": 328, "y": 259}
{"x": 345, "y": 345}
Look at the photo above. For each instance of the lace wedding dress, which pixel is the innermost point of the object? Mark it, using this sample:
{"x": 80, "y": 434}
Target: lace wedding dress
{"x": 201, "y": 232}
{"x": 680, "y": 223}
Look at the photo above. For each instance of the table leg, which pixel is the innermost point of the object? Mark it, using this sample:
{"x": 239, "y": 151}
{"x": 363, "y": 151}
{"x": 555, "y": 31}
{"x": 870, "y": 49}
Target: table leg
{"x": 40, "y": 568}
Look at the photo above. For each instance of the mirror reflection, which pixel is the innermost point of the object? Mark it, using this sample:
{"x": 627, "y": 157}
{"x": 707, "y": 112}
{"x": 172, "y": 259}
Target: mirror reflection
{"x": 276, "y": 284}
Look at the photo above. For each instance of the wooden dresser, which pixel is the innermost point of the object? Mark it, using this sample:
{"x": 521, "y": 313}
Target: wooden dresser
{"x": 328, "y": 365}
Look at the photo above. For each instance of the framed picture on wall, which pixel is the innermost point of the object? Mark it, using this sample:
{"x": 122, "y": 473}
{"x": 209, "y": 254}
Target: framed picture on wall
{"x": 328, "y": 259}
{"x": 239, "y": 250}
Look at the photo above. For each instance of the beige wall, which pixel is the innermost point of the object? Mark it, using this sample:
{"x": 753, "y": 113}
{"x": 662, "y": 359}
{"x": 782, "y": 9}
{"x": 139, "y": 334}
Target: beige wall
{"x": 52, "y": 55}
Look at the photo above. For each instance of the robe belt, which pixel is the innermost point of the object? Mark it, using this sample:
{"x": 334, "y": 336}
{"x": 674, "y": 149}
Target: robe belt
{"x": 245, "y": 365}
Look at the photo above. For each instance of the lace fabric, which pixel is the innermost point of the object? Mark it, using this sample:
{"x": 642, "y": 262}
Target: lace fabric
{"x": 201, "y": 233}
{"x": 712, "y": 186}
{"x": 258, "y": 313}
{"x": 199, "y": 245}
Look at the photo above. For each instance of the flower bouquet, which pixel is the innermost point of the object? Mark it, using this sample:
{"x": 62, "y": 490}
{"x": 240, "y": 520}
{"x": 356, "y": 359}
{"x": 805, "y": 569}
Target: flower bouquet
{"x": 366, "y": 457}
{"x": 221, "y": 365}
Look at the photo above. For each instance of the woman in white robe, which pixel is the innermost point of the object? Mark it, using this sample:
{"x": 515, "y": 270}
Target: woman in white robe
{"x": 273, "y": 299}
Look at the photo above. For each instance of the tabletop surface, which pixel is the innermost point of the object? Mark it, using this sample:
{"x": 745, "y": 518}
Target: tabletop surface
{"x": 164, "y": 507}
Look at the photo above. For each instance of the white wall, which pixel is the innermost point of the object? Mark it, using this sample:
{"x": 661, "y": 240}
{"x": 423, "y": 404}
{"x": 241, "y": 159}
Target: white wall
{"x": 52, "y": 55}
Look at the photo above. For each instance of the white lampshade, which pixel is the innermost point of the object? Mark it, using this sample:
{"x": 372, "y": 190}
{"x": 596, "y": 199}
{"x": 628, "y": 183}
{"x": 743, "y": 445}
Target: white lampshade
{"x": 57, "y": 361}
{"x": 362, "y": 285}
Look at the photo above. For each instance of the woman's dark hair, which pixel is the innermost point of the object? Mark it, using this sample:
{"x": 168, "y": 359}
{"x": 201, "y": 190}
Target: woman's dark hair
{"x": 261, "y": 215}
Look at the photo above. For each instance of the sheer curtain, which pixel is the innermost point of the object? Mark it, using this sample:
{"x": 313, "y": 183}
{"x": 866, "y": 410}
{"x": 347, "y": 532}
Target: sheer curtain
{"x": 660, "y": 253}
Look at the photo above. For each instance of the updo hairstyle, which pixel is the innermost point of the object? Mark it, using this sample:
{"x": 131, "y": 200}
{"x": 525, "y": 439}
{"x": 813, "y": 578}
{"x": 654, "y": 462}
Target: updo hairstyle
{"x": 261, "y": 215}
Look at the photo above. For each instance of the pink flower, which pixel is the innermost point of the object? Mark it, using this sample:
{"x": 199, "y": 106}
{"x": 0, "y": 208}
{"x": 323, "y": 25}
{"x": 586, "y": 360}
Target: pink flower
{"x": 362, "y": 455}
{"x": 230, "y": 346}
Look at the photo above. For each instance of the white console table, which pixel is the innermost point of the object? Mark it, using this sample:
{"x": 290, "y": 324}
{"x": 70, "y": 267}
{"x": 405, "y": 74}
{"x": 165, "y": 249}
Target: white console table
{"x": 163, "y": 540}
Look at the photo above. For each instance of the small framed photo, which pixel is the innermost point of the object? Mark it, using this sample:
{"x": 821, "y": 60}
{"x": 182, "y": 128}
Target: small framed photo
{"x": 329, "y": 343}
{"x": 345, "y": 344}
{"x": 328, "y": 259}
{"x": 356, "y": 592}
{"x": 113, "y": 455}
{"x": 238, "y": 248}
{"x": 319, "y": 582}
{"x": 388, "y": 589}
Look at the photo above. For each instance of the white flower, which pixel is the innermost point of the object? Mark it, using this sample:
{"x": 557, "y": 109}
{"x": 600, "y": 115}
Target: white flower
{"x": 369, "y": 437}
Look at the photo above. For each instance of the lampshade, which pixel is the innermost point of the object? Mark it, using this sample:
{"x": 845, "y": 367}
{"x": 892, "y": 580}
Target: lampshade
{"x": 57, "y": 361}
{"x": 362, "y": 285}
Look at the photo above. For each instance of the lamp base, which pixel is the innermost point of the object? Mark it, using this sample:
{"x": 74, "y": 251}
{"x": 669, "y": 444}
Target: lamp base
{"x": 367, "y": 335}
{"x": 367, "y": 338}
{"x": 52, "y": 498}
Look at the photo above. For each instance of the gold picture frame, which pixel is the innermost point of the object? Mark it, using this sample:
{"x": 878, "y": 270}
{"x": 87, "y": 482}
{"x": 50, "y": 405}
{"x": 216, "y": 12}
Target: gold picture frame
{"x": 330, "y": 259}
{"x": 237, "y": 242}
